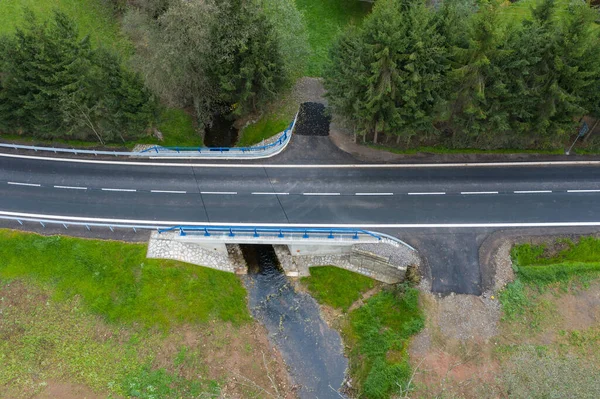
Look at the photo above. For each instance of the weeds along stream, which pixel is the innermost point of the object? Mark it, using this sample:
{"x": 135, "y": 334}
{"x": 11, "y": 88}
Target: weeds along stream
{"x": 312, "y": 351}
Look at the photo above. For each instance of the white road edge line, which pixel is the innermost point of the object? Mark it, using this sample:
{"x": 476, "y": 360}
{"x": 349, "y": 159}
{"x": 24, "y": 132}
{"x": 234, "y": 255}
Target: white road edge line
{"x": 168, "y": 223}
{"x": 429, "y": 193}
{"x": 71, "y": 187}
{"x": 24, "y": 184}
{"x": 327, "y": 166}
{"x": 128, "y": 190}
{"x": 373, "y": 194}
{"x": 532, "y": 191}
{"x": 320, "y": 194}
{"x": 478, "y": 192}
{"x": 258, "y": 193}
{"x": 219, "y": 192}
{"x": 168, "y": 191}
{"x": 583, "y": 191}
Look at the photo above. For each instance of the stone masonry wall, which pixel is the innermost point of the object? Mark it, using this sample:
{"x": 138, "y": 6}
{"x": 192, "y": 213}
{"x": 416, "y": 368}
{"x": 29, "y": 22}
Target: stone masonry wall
{"x": 383, "y": 262}
{"x": 386, "y": 262}
{"x": 166, "y": 246}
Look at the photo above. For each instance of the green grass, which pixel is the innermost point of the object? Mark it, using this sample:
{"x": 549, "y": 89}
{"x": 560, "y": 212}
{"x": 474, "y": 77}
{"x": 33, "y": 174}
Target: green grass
{"x": 93, "y": 18}
{"x": 521, "y": 10}
{"x": 536, "y": 269}
{"x": 268, "y": 126}
{"x": 336, "y": 287}
{"x": 116, "y": 281}
{"x": 45, "y": 340}
{"x": 378, "y": 334}
{"x": 324, "y": 20}
{"x": 175, "y": 124}
{"x": 444, "y": 150}
{"x": 579, "y": 261}
{"x": 178, "y": 129}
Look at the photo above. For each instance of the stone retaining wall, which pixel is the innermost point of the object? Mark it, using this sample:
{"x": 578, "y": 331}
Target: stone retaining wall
{"x": 358, "y": 261}
{"x": 383, "y": 262}
{"x": 165, "y": 246}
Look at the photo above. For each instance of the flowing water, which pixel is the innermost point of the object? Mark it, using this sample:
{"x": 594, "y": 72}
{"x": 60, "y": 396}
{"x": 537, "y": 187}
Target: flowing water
{"x": 312, "y": 350}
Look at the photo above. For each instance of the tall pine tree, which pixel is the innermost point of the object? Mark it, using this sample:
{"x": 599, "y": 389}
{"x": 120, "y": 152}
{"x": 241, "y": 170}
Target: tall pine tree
{"x": 387, "y": 76}
{"x": 55, "y": 85}
{"x": 245, "y": 54}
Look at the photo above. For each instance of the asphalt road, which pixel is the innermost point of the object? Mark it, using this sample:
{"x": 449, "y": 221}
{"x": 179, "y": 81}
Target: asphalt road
{"x": 380, "y": 197}
{"x": 304, "y": 196}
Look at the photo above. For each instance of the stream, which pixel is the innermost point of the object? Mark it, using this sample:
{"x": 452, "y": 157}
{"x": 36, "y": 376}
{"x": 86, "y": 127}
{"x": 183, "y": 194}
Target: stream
{"x": 221, "y": 133}
{"x": 312, "y": 350}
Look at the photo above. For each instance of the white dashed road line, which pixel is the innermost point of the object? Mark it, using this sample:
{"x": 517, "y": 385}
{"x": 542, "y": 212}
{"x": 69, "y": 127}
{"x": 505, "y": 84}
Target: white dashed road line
{"x": 168, "y": 191}
{"x": 71, "y": 187}
{"x": 219, "y": 192}
{"x": 128, "y": 190}
{"x": 373, "y": 194}
{"x": 321, "y": 194}
{"x": 478, "y": 192}
{"x": 583, "y": 191}
{"x": 270, "y": 193}
{"x": 533, "y": 192}
{"x": 429, "y": 193}
{"x": 24, "y": 184}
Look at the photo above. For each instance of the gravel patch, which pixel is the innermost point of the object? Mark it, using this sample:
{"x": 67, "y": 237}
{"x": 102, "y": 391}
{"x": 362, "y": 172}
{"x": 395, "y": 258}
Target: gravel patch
{"x": 309, "y": 90}
{"x": 466, "y": 317}
{"x": 398, "y": 256}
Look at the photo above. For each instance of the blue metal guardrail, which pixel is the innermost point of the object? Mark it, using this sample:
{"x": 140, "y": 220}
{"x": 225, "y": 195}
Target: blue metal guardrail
{"x": 278, "y": 231}
{"x": 216, "y": 152}
{"x": 282, "y": 139}
{"x": 270, "y": 232}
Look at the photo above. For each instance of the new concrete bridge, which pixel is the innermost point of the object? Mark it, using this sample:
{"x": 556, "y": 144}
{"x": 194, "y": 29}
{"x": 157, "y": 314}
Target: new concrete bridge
{"x": 460, "y": 202}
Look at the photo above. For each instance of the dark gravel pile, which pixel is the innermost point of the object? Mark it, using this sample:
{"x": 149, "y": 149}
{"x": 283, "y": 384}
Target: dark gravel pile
{"x": 312, "y": 120}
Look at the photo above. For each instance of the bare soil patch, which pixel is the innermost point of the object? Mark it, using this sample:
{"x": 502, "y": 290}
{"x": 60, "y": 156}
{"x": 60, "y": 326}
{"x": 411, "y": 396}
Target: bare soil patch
{"x": 468, "y": 351}
{"x": 453, "y": 352}
{"x": 240, "y": 358}
{"x": 66, "y": 390}
{"x": 581, "y": 310}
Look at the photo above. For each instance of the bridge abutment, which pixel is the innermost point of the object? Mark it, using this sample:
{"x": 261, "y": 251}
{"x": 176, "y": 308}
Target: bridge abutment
{"x": 384, "y": 261}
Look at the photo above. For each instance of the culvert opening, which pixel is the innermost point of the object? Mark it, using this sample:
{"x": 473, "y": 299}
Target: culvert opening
{"x": 261, "y": 259}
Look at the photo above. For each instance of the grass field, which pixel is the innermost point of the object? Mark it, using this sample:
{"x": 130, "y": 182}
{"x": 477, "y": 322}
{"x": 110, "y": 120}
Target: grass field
{"x": 336, "y": 287}
{"x": 378, "y": 334}
{"x": 549, "y": 324}
{"x": 93, "y": 18}
{"x": 97, "y": 319}
{"x": 178, "y": 129}
{"x": 116, "y": 281}
{"x": 324, "y": 20}
{"x": 45, "y": 341}
{"x": 265, "y": 128}
{"x": 375, "y": 335}
{"x": 538, "y": 267}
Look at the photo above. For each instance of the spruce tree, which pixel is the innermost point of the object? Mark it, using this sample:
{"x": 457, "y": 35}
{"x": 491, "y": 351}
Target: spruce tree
{"x": 245, "y": 55}
{"x": 43, "y": 61}
{"x": 479, "y": 81}
{"x": 55, "y": 85}
{"x": 387, "y": 76}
